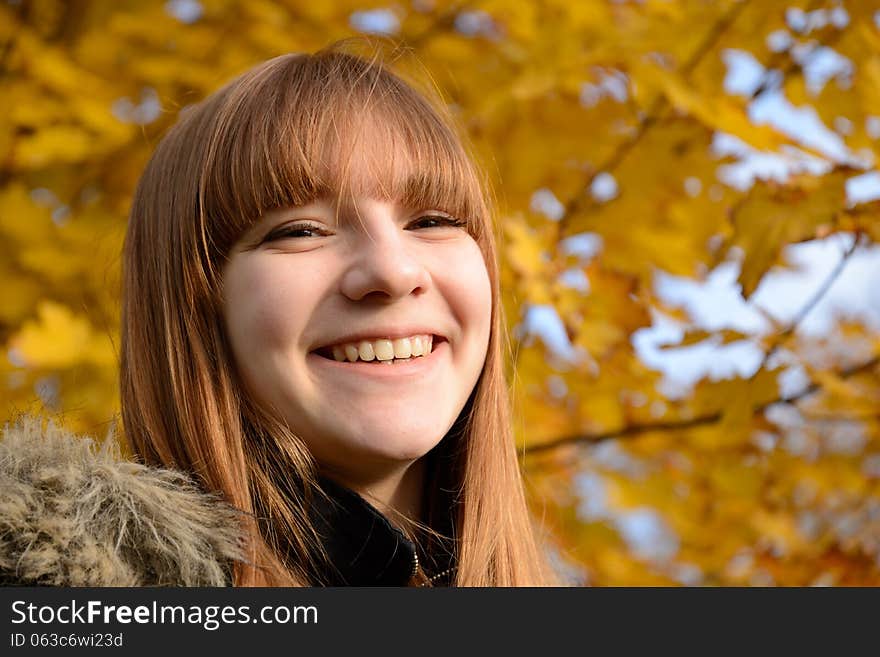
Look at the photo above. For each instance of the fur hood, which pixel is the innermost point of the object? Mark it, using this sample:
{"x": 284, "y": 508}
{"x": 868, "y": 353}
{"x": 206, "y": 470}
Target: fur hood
{"x": 73, "y": 512}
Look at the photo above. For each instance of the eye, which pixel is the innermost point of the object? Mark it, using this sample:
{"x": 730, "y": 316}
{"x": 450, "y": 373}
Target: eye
{"x": 440, "y": 220}
{"x": 297, "y": 231}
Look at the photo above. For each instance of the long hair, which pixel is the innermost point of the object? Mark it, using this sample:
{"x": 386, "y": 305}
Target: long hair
{"x": 257, "y": 144}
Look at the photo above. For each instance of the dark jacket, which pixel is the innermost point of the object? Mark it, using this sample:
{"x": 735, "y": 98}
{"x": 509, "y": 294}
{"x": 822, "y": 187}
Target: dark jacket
{"x": 75, "y": 513}
{"x": 365, "y": 549}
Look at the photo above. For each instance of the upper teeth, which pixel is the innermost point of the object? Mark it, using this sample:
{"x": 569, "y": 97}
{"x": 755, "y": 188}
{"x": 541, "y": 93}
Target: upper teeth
{"x": 417, "y": 345}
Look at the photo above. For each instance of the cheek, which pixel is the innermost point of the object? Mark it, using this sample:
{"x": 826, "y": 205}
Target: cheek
{"x": 472, "y": 291}
{"x": 259, "y": 308}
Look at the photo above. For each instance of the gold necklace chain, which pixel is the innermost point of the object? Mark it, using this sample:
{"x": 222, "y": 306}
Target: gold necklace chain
{"x": 430, "y": 580}
{"x": 437, "y": 576}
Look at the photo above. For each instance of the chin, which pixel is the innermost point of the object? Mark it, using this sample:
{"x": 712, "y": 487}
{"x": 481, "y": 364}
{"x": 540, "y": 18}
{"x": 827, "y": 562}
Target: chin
{"x": 408, "y": 452}
{"x": 400, "y": 448}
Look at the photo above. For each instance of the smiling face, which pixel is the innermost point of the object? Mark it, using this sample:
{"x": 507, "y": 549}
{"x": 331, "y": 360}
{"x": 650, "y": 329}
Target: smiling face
{"x": 306, "y": 278}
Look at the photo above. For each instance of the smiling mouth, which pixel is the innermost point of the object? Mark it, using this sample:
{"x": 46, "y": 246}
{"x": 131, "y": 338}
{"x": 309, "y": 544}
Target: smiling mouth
{"x": 327, "y": 352}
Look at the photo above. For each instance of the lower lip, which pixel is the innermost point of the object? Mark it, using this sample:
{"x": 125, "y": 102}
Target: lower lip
{"x": 413, "y": 367}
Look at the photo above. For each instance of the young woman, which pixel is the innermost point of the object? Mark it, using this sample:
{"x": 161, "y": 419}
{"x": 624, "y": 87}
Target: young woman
{"x": 312, "y": 326}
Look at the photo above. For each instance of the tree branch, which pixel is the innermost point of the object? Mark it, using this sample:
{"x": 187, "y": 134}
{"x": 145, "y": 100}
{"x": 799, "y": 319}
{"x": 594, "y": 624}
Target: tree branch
{"x": 711, "y": 418}
{"x": 634, "y": 430}
{"x": 820, "y": 292}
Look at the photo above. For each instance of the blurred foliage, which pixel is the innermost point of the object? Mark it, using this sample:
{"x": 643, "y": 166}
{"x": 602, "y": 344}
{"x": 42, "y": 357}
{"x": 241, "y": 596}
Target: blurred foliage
{"x": 610, "y": 109}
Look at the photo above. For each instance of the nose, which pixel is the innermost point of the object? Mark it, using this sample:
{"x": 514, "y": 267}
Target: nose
{"x": 384, "y": 265}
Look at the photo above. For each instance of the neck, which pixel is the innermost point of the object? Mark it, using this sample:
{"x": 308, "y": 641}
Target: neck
{"x": 399, "y": 492}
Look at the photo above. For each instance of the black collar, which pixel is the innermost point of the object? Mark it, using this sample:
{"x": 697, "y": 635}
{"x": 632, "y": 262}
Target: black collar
{"x": 365, "y": 549}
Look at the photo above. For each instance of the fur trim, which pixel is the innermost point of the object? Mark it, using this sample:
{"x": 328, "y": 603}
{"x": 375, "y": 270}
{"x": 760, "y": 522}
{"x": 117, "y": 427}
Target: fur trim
{"x": 75, "y": 513}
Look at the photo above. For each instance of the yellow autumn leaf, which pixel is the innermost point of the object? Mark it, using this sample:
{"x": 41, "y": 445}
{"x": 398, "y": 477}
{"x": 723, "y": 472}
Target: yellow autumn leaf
{"x": 22, "y": 221}
{"x": 696, "y": 336}
{"x": 58, "y": 338}
{"x": 720, "y": 112}
{"x": 863, "y": 217}
{"x": 773, "y": 215}
{"x": 61, "y": 143}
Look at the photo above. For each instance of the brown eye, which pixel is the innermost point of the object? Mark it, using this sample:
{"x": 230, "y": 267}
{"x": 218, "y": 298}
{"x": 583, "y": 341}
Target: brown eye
{"x": 440, "y": 220}
{"x": 296, "y": 231}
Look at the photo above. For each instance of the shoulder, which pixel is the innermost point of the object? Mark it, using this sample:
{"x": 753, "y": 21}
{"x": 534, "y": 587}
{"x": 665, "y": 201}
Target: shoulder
{"x": 73, "y": 512}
